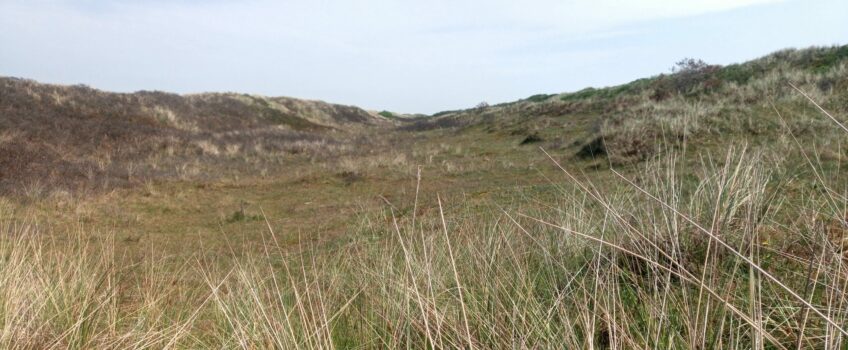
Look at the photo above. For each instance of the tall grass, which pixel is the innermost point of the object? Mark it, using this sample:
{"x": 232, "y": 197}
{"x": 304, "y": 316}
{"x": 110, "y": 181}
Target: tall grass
{"x": 64, "y": 291}
{"x": 741, "y": 251}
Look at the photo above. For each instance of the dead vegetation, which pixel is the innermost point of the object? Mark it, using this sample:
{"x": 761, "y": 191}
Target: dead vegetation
{"x": 78, "y": 138}
{"x": 713, "y": 217}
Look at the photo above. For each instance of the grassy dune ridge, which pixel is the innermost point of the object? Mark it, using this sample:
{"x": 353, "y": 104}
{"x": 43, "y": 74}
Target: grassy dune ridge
{"x": 713, "y": 216}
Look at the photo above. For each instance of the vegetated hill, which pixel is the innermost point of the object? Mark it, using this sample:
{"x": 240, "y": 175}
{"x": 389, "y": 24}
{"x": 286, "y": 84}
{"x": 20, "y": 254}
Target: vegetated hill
{"x": 697, "y": 102}
{"x": 69, "y": 136}
{"x": 72, "y": 137}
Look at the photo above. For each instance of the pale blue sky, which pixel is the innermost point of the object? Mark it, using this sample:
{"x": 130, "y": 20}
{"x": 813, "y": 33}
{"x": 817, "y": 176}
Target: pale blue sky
{"x": 422, "y": 56}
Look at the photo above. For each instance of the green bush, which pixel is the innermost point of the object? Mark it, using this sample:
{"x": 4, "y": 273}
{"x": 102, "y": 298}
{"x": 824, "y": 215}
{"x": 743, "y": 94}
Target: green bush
{"x": 539, "y": 98}
{"x": 737, "y": 73}
{"x": 828, "y": 58}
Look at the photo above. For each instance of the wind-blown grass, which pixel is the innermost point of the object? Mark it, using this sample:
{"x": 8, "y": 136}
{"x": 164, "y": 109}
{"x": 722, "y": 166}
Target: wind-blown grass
{"x": 732, "y": 256}
{"x": 742, "y": 249}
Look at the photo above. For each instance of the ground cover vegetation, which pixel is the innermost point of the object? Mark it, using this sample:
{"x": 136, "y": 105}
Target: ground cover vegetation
{"x": 701, "y": 208}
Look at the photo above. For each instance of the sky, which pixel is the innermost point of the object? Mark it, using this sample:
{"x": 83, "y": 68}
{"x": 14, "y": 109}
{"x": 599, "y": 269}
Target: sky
{"x": 398, "y": 55}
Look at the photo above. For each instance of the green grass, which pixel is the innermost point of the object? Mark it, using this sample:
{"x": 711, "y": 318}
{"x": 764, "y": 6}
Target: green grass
{"x": 714, "y": 220}
{"x": 539, "y": 98}
{"x": 575, "y": 261}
